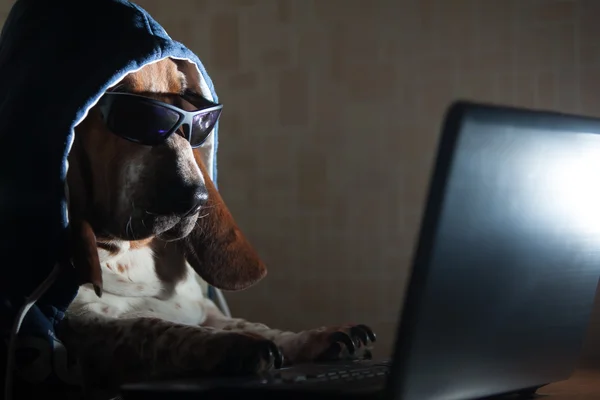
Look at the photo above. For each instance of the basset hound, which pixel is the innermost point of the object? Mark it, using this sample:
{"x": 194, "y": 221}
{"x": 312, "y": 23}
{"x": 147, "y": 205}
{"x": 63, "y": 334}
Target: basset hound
{"x": 148, "y": 223}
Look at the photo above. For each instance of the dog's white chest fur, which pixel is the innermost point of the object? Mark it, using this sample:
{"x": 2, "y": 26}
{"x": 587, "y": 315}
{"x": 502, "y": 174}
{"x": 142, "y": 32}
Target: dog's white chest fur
{"x": 132, "y": 288}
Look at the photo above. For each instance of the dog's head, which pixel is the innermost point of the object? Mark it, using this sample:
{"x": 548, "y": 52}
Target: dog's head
{"x": 135, "y": 176}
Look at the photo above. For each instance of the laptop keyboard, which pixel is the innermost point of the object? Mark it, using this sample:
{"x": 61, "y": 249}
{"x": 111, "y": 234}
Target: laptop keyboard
{"x": 347, "y": 376}
{"x": 342, "y": 375}
{"x": 356, "y": 377}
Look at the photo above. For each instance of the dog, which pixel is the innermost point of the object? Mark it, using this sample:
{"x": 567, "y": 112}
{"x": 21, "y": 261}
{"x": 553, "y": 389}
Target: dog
{"x": 149, "y": 227}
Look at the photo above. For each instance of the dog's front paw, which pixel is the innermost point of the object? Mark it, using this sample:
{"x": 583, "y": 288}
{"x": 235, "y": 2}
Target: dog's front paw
{"x": 333, "y": 343}
{"x": 238, "y": 353}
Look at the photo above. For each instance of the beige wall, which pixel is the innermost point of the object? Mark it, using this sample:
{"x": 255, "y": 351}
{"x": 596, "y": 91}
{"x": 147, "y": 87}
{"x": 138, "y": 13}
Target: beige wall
{"x": 332, "y": 109}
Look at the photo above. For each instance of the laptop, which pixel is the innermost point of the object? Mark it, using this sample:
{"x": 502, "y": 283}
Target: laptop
{"x": 503, "y": 279}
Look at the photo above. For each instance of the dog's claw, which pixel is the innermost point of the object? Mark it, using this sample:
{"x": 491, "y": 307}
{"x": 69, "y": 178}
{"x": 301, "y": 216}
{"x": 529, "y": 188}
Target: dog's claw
{"x": 332, "y": 353}
{"x": 369, "y": 332}
{"x": 341, "y": 337}
{"x": 360, "y": 334}
{"x": 272, "y": 354}
{"x": 276, "y": 354}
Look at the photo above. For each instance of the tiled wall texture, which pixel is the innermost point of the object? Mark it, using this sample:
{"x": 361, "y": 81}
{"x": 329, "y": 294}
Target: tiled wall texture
{"x": 332, "y": 113}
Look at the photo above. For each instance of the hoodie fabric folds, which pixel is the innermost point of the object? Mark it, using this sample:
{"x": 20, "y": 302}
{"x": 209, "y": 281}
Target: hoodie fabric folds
{"x": 56, "y": 59}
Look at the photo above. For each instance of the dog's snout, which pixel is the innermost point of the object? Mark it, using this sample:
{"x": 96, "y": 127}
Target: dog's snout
{"x": 198, "y": 196}
{"x": 189, "y": 199}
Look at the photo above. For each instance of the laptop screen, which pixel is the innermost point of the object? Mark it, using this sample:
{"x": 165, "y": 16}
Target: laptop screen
{"x": 509, "y": 255}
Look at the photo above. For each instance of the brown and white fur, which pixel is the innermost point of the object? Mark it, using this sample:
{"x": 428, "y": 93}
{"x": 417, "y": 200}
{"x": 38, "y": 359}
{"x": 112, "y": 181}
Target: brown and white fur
{"x": 152, "y": 319}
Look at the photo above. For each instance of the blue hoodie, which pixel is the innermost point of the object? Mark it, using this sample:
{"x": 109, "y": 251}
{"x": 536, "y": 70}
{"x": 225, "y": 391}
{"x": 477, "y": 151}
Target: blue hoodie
{"x": 56, "y": 59}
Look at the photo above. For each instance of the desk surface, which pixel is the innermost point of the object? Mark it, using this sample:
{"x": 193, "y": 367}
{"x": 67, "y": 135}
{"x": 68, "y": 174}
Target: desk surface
{"x": 583, "y": 385}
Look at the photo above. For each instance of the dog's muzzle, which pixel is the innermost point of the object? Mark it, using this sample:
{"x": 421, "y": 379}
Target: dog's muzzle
{"x": 188, "y": 200}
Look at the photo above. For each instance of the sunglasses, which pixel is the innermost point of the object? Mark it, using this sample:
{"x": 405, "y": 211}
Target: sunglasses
{"x": 150, "y": 122}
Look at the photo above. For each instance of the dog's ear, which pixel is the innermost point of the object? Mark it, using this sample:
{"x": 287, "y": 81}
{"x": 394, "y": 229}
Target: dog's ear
{"x": 84, "y": 252}
{"x": 84, "y": 255}
{"x": 217, "y": 249}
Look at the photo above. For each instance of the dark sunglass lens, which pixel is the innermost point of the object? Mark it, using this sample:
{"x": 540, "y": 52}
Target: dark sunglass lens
{"x": 141, "y": 121}
{"x": 202, "y": 126}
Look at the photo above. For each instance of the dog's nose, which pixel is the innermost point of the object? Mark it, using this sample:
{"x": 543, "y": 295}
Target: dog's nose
{"x": 191, "y": 199}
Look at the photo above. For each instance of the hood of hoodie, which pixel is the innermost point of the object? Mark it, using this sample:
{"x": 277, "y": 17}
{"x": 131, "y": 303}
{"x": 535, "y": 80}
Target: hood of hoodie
{"x": 56, "y": 61}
